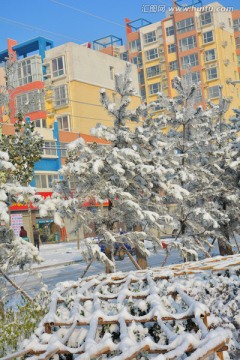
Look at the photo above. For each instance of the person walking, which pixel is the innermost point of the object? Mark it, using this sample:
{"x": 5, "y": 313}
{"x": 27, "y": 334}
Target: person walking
{"x": 23, "y": 232}
{"x": 36, "y": 236}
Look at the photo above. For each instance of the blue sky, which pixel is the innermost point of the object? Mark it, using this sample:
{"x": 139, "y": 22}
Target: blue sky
{"x": 74, "y": 20}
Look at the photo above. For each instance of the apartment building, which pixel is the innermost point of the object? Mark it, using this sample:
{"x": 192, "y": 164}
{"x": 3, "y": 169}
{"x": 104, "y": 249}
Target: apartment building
{"x": 25, "y": 79}
{"x": 208, "y": 41}
{"x": 74, "y": 77}
{"x": 236, "y": 28}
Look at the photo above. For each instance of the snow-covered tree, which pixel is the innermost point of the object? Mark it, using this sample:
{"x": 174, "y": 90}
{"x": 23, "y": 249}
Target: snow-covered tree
{"x": 126, "y": 172}
{"x": 30, "y": 142}
{"x": 196, "y": 158}
{"x": 17, "y": 155}
{"x": 225, "y": 165}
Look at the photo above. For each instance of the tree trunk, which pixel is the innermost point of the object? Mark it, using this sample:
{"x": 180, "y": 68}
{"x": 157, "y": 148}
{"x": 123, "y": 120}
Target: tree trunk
{"x": 109, "y": 254}
{"x": 224, "y": 248}
{"x": 141, "y": 258}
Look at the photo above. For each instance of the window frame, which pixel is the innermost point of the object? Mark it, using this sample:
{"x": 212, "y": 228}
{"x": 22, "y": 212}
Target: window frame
{"x": 184, "y": 65}
{"x": 208, "y": 51}
{"x": 204, "y": 16}
{"x": 215, "y": 73}
{"x": 147, "y": 53}
{"x": 189, "y": 45}
{"x": 212, "y": 87}
{"x": 149, "y": 71}
{"x": 39, "y": 176}
{"x": 138, "y": 62}
{"x": 22, "y": 99}
{"x": 63, "y": 101}
{"x": 60, "y": 118}
{"x": 236, "y": 24}
{"x": 58, "y": 71}
{"x": 170, "y": 47}
{"x": 51, "y": 149}
{"x": 173, "y": 65}
{"x": 182, "y": 26}
{"x": 136, "y": 47}
{"x": 150, "y": 37}
{"x": 206, "y": 38}
{"x": 41, "y": 121}
{"x": 170, "y": 31}
{"x": 151, "y": 89}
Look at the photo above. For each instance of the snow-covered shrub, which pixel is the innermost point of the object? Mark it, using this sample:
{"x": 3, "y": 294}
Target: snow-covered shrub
{"x": 20, "y": 321}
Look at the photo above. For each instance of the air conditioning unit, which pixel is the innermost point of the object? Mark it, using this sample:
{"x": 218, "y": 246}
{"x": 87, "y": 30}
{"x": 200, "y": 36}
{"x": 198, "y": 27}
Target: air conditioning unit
{"x": 224, "y": 43}
{"x": 161, "y": 50}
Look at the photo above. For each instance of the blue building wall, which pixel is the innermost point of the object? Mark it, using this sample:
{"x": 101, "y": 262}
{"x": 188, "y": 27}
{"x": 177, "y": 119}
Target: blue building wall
{"x": 47, "y": 163}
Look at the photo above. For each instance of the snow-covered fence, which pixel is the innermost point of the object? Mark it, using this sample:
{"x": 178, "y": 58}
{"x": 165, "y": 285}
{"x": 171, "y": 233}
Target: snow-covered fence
{"x": 124, "y": 315}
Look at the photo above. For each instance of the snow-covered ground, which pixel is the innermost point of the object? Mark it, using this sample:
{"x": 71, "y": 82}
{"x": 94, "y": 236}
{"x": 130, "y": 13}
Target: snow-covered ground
{"x": 63, "y": 262}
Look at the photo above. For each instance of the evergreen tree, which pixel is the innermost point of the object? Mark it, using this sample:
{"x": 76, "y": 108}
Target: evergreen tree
{"x": 126, "y": 172}
{"x": 198, "y": 160}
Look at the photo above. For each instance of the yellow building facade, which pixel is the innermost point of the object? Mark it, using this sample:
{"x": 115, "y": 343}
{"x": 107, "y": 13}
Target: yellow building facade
{"x": 73, "y": 80}
{"x": 200, "y": 38}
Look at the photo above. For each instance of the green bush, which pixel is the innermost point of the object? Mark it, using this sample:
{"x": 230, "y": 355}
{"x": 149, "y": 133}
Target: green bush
{"x": 18, "y": 324}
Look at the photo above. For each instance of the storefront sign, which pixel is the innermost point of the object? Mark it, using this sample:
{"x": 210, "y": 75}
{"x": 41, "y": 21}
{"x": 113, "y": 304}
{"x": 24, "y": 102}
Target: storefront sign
{"x": 16, "y": 223}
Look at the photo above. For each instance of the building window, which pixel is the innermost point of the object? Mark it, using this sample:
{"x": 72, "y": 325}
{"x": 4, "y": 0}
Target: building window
{"x": 60, "y": 95}
{"x": 111, "y": 69}
{"x": 238, "y": 42}
{"x": 124, "y": 56}
{"x": 208, "y": 37}
{"x": 29, "y": 102}
{"x": 154, "y": 88}
{"x": 185, "y": 25}
{"x": 210, "y": 55}
{"x": 173, "y": 65}
{"x": 40, "y": 123}
{"x": 45, "y": 181}
{"x": 143, "y": 93}
{"x": 206, "y": 18}
{"x": 63, "y": 122}
{"x": 152, "y": 54}
{"x": 154, "y": 107}
{"x": 238, "y": 60}
{"x": 212, "y": 73}
{"x": 198, "y": 95}
{"x": 134, "y": 46}
{"x": 27, "y": 71}
{"x": 195, "y": 77}
{"x": 141, "y": 77}
{"x": 189, "y": 60}
{"x": 236, "y": 24}
{"x": 63, "y": 149}
{"x": 153, "y": 71}
{"x": 58, "y": 66}
{"x": 137, "y": 60}
{"x": 213, "y": 92}
{"x": 187, "y": 43}
{"x": 170, "y": 31}
{"x": 171, "y": 48}
{"x": 49, "y": 148}
{"x": 150, "y": 37}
